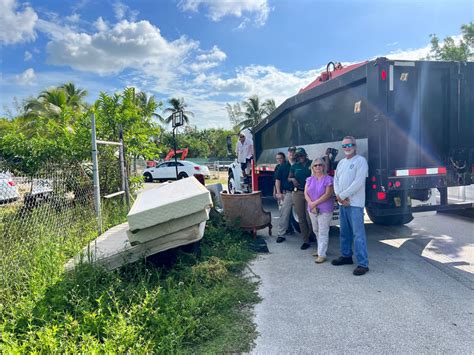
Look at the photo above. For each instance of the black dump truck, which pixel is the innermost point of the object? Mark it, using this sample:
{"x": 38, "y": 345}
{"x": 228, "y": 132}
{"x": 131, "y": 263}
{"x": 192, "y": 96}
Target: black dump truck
{"x": 413, "y": 121}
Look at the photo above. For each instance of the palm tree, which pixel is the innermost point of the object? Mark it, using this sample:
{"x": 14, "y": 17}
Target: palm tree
{"x": 177, "y": 105}
{"x": 74, "y": 95}
{"x": 269, "y": 106}
{"x": 147, "y": 105}
{"x": 253, "y": 112}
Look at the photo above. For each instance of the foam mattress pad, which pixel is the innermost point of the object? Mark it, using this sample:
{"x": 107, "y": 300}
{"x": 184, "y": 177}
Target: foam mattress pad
{"x": 168, "y": 202}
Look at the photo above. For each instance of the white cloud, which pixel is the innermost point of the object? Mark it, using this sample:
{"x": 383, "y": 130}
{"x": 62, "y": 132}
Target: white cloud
{"x": 101, "y": 25}
{"x": 265, "y": 81}
{"x": 409, "y": 54}
{"x": 215, "y": 54}
{"x": 258, "y": 9}
{"x": 28, "y": 56}
{"x": 135, "y": 45}
{"x": 74, "y": 18}
{"x": 122, "y": 11}
{"x": 28, "y": 77}
{"x": 208, "y": 60}
{"x": 16, "y": 26}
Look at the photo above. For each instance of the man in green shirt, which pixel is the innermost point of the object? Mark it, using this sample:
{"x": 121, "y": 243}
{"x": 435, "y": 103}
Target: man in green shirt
{"x": 299, "y": 172}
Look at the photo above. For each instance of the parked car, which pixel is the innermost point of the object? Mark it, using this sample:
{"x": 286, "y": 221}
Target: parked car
{"x": 42, "y": 187}
{"x": 167, "y": 171}
{"x": 8, "y": 188}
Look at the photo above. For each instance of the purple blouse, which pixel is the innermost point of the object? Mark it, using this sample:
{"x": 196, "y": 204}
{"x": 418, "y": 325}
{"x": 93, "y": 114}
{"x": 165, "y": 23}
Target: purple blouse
{"x": 316, "y": 188}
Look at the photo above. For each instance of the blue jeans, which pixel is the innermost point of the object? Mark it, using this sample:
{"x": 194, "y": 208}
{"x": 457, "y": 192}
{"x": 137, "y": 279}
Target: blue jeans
{"x": 351, "y": 220}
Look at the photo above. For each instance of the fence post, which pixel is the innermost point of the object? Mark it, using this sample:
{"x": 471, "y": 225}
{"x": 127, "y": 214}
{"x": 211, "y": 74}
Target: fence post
{"x": 95, "y": 173}
{"x": 123, "y": 171}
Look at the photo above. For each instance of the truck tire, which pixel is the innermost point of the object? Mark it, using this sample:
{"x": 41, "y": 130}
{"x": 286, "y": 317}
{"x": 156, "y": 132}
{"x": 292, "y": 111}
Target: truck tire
{"x": 231, "y": 183}
{"x": 394, "y": 220}
{"x": 148, "y": 177}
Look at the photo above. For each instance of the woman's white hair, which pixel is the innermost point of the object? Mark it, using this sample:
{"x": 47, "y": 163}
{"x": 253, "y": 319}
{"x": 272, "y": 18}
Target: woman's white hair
{"x": 320, "y": 161}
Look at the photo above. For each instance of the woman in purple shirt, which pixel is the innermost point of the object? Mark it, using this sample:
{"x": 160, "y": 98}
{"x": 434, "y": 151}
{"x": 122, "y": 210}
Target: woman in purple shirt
{"x": 319, "y": 195}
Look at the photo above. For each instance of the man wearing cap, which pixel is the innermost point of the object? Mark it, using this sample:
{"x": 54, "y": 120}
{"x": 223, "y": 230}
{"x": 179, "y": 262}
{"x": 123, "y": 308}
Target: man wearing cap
{"x": 349, "y": 187}
{"x": 291, "y": 155}
{"x": 283, "y": 193}
{"x": 299, "y": 172}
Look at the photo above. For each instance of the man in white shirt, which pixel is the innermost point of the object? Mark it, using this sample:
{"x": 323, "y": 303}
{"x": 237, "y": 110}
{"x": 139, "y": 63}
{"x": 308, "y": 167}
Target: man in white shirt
{"x": 244, "y": 152}
{"x": 349, "y": 187}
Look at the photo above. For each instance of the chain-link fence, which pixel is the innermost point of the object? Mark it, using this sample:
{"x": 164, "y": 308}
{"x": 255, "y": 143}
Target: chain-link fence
{"x": 219, "y": 169}
{"x": 44, "y": 220}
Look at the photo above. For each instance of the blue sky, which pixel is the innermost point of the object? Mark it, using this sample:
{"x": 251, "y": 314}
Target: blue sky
{"x": 210, "y": 52}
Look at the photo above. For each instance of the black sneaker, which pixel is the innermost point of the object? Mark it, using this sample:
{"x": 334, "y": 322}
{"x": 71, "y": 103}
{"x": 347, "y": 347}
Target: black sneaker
{"x": 343, "y": 260}
{"x": 304, "y": 246}
{"x": 360, "y": 270}
{"x": 281, "y": 239}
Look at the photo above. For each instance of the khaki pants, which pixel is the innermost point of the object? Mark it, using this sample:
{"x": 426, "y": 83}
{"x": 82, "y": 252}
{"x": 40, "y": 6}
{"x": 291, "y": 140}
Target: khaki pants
{"x": 285, "y": 211}
{"x": 301, "y": 211}
{"x": 321, "y": 223}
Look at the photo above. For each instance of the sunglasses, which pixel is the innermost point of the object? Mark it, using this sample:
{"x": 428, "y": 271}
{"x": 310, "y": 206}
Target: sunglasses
{"x": 315, "y": 165}
{"x": 348, "y": 145}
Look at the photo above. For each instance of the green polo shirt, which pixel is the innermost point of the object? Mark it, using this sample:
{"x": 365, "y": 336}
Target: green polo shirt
{"x": 301, "y": 172}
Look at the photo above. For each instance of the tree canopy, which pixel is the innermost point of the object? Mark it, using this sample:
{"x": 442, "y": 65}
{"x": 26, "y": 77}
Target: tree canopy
{"x": 449, "y": 50}
{"x": 254, "y": 111}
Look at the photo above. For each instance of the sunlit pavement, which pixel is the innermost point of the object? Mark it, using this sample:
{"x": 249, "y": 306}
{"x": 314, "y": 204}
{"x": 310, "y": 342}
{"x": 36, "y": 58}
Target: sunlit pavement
{"x": 417, "y": 298}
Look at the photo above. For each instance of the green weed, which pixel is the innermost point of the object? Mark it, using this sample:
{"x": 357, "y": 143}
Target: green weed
{"x": 199, "y": 305}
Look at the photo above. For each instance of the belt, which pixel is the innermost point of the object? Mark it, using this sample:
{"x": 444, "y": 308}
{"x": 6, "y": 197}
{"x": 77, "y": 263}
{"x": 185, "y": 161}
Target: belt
{"x": 298, "y": 189}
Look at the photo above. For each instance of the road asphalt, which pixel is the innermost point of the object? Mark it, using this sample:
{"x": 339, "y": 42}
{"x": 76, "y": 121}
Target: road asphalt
{"x": 417, "y": 298}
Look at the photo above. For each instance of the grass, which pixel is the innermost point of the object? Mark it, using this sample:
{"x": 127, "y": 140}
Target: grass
{"x": 199, "y": 305}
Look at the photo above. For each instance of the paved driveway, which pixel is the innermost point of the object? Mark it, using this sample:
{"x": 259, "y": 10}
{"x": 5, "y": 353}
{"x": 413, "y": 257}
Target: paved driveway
{"x": 417, "y": 298}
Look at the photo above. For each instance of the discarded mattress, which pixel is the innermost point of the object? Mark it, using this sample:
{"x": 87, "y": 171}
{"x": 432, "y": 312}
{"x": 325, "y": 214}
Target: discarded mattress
{"x": 113, "y": 249}
{"x": 168, "y": 202}
{"x": 174, "y": 225}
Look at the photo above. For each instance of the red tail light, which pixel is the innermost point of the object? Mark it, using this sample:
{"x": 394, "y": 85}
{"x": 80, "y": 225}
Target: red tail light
{"x": 381, "y": 195}
{"x": 197, "y": 168}
{"x": 373, "y": 179}
{"x": 390, "y": 184}
{"x": 383, "y": 74}
{"x": 397, "y": 183}
{"x": 374, "y": 186}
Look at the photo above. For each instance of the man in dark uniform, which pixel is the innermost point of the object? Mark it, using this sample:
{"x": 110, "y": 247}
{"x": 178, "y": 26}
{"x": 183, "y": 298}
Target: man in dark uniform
{"x": 299, "y": 172}
{"x": 283, "y": 194}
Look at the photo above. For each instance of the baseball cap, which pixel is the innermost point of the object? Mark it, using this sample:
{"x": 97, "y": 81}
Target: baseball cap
{"x": 292, "y": 149}
{"x": 300, "y": 151}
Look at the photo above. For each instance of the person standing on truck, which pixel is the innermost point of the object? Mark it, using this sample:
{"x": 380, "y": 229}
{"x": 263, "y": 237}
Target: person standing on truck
{"x": 283, "y": 194}
{"x": 299, "y": 172}
{"x": 349, "y": 187}
{"x": 319, "y": 193}
{"x": 244, "y": 152}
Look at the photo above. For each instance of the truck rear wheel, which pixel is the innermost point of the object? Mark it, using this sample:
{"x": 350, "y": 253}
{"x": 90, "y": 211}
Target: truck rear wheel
{"x": 393, "y": 220}
{"x": 294, "y": 221}
{"x": 231, "y": 183}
